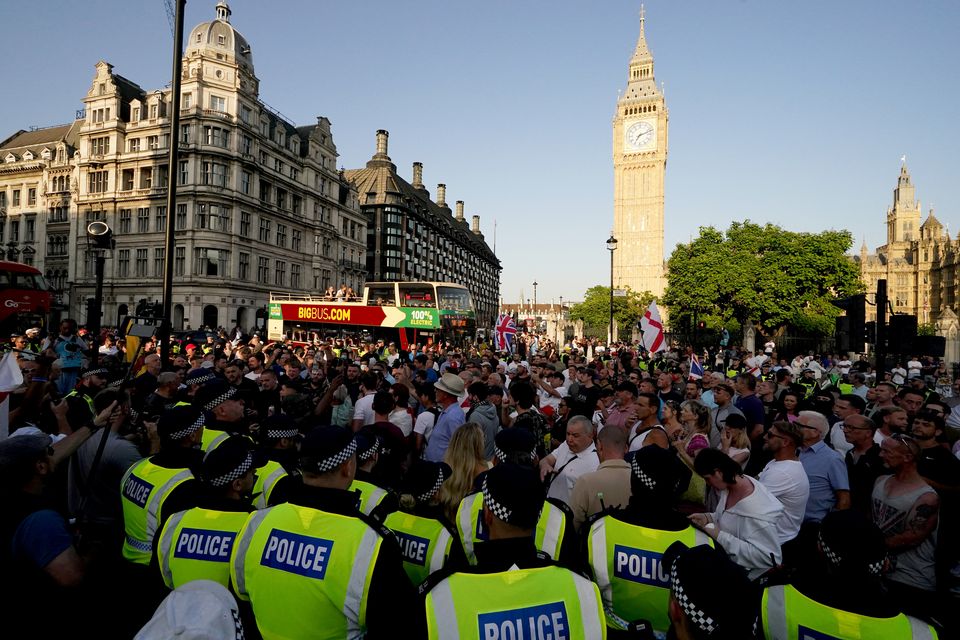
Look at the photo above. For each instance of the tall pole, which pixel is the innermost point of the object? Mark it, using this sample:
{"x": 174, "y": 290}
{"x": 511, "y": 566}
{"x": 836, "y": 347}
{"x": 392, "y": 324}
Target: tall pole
{"x": 173, "y": 171}
{"x": 611, "y": 247}
{"x": 881, "y": 348}
{"x": 95, "y": 321}
{"x": 535, "y": 297}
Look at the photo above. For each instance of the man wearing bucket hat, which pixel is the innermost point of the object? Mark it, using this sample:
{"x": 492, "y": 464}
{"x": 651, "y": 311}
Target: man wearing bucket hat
{"x": 448, "y": 390}
{"x": 315, "y": 566}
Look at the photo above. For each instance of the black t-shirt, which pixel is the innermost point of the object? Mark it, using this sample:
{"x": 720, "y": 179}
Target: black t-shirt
{"x": 863, "y": 474}
{"x": 584, "y": 403}
{"x": 940, "y": 465}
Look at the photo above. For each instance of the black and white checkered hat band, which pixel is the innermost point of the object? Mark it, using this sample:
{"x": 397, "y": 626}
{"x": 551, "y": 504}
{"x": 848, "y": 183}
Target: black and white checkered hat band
{"x": 239, "y": 472}
{"x": 99, "y": 371}
{"x": 336, "y": 460}
{"x": 874, "y": 568}
{"x": 641, "y": 475}
{"x": 223, "y": 397}
{"x": 201, "y": 378}
{"x": 183, "y": 433}
{"x": 696, "y": 615}
{"x": 498, "y": 509}
{"x": 366, "y": 454}
{"x": 276, "y": 434}
{"x": 432, "y": 491}
{"x": 501, "y": 455}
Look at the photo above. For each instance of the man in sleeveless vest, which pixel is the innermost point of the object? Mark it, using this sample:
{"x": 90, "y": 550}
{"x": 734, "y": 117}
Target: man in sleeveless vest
{"x": 514, "y": 591}
{"x": 315, "y": 566}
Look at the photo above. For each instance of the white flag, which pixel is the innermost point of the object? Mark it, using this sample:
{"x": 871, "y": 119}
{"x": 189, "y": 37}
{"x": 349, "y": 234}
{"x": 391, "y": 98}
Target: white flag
{"x": 652, "y": 328}
{"x": 10, "y": 379}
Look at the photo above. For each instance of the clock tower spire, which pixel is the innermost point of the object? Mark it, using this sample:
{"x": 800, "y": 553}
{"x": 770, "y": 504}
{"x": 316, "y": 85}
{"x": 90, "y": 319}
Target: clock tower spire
{"x": 639, "y": 165}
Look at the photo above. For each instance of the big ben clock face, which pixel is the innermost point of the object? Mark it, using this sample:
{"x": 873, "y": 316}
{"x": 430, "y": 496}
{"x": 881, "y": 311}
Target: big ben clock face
{"x": 640, "y": 135}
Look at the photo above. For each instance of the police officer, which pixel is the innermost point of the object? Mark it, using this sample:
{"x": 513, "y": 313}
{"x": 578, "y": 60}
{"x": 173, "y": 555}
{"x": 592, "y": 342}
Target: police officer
{"x": 625, "y": 548}
{"x": 279, "y": 439}
{"x": 315, "y": 566}
{"x": 193, "y": 381}
{"x": 374, "y": 500}
{"x": 428, "y": 542}
{"x": 555, "y": 535}
{"x": 80, "y": 409}
{"x": 710, "y": 596}
{"x": 515, "y": 591}
{"x": 220, "y": 399}
{"x": 163, "y": 484}
{"x": 840, "y": 596}
{"x": 195, "y": 544}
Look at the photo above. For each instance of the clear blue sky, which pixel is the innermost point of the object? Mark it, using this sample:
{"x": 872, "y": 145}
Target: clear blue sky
{"x": 788, "y": 112}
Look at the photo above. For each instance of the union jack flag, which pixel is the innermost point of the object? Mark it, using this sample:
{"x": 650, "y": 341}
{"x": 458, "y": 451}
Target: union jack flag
{"x": 504, "y": 333}
{"x": 696, "y": 369}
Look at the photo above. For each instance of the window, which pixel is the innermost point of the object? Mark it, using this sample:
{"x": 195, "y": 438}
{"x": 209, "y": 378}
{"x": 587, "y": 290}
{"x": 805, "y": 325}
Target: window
{"x": 244, "y": 271}
{"x": 125, "y": 217}
{"x": 31, "y": 229}
{"x": 143, "y": 220}
{"x": 317, "y": 245}
{"x": 31, "y": 197}
{"x": 181, "y": 218}
{"x": 246, "y": 145}
{"x": 246, "y": 114}
{"x": 57, "y": 214}
{"x": 135, "y": 114}
{"x": 265, "y": 189}
{"x": 245, "y": 179}
{"x": 297, "y": 205}
{"x": 163, "y": 176}
{"x": 245, "y": 224}
{"x": 154, "y": 111}
{"x": 185, "y": 133}
{"x": 295, "y": 236}
{"x": 99, "y": 146}
{"x": 161, "y": 219}
{"x": 278, "y": 165}
{"x": 123, "y": 263}
{"x": 218, "y": 103}
{"x": 126, "y": 180}
{"x": 263, "y": 270}
{"x": 264, "y": 230}
{"x": 281, "y": 235}
{"x": 184, "y": 176}
{"x": 158, "y": 266}
{"x": 153, "y": 142}
{"x": 16, "y": 197}
{"x": 140, "y": 266}
{"x": 294, "y": 276}
{"x": 187, "y": 100}
{"x": 179, "y": 260}
{"x": 134, "y": 145}
{"x": 281, "y": 199}
{"x": 216, "y": 136}
{"x": 215, "y": 174}
{"x": 100, "y": 115}
{"x": 3, "y": 226}
{"x": 146, "y": 177}
{"x": 97, "y": 184}
{"x": 295, "y": 173}
{"x": 14, "y": 231}
{"x": 211, "y": 262}
{"x": 280, "y": 273}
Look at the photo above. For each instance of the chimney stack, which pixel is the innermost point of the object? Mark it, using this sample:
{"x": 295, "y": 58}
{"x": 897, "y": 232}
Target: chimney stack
{"x": 417, "y": 175}
{"x": 382, "y": 136}
{"x": 476, "y": 225}
{"x": 460, "y": 210}
{"x": 441, "y": 195}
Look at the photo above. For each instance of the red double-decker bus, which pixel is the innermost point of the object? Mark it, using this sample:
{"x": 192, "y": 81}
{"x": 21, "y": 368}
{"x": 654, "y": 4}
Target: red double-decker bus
{"x": 25, "y": 298}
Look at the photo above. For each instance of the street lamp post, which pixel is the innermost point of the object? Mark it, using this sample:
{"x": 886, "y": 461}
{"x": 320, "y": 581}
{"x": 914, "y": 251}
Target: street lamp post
{"x": 611, "y": 247}
{"x": 535, "y": 296}
{"x": 100, "y": 240}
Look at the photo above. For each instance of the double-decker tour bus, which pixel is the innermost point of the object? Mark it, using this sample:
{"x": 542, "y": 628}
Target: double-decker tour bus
{"x": 406, "y": 313}
{"x": 25, "y": 298}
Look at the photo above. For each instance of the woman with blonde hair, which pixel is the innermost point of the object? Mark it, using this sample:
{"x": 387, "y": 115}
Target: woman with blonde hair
{"x": 464, "y": 455}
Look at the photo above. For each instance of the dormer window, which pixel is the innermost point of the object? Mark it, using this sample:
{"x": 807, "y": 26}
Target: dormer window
{"x": 199, "y": 38}
{"x": 221, "y": 40}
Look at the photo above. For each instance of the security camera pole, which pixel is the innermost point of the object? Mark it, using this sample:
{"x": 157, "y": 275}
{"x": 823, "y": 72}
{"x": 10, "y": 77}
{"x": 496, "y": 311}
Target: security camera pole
{"x": 163, "y": 335}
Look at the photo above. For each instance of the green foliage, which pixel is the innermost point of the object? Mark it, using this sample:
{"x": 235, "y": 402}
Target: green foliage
{"x": 927, "y": 329}
{"x": 781, "y": 279}
{"x": 595, "y": 310}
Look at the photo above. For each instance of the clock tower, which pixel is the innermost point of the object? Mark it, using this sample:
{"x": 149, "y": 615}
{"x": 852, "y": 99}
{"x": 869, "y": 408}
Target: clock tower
{"x": 639, "y": 164}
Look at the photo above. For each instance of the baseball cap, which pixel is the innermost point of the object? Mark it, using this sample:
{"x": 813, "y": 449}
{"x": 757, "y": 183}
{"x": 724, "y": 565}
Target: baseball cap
{"x": 197, "y": 610}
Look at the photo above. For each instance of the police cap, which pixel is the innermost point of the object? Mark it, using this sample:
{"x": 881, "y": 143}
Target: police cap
{"x": 515, "y": 445}
{"x": 514, "y": 494}
{"x": 231, "y": 460}
{"x": 179, "y": 422}
{"x": 325, "y": 448}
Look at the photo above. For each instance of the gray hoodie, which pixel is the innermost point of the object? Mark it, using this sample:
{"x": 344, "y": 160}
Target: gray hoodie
{"x": 485, "y": 414}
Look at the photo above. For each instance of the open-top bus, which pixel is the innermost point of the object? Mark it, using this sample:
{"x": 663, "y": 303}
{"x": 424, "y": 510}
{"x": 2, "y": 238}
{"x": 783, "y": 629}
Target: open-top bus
{"x": 25, "y": 298}
{"x": 406, "y": 313}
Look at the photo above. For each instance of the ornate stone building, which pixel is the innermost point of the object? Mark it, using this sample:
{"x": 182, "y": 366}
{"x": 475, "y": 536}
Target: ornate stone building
{"x": 920, "y": 263}
{"x": 260, "y": 204}
{"x": 639, "y": 165}
{"x": 411, "y": 237}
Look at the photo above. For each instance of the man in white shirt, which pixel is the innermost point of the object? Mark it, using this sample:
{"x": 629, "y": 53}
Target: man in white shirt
{"x": 913, "y": 368}
{"x": 363, "y": 409}
{"x": 785, "y": 478}
{"x": 575, "y": 457}
{"x": 899, "y": 375}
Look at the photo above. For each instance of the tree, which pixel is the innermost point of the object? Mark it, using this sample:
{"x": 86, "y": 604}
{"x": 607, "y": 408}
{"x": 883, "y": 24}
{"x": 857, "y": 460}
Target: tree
{"x": 781, "y": 279}
{"x": 594, "y": 311}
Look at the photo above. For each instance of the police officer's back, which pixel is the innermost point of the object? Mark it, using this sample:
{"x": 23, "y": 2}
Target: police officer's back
{"x": 375, "y": 499}
{"x": 279, "y": 441}
{"x": 195, "y": 544}
{"x": 315, "y": 566}
{"x": 625, "y": 548}
{"x": 840, "y": 595}
{"x": 514, "y": 588}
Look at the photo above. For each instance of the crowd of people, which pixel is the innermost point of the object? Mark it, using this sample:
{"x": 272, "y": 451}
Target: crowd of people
{"x": 342, "y": 488}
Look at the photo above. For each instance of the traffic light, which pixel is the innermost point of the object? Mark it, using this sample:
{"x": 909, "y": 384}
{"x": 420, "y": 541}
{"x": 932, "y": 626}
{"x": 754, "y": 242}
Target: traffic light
{"x": 701, "y": 325}
{"x": 870, "y": 332}
{"x": 851, "y": 332}
{"x": 141, "y": 307}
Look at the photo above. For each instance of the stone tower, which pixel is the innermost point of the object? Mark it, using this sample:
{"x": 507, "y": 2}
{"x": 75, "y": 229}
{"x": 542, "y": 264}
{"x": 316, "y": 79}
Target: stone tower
{"x": 639, "y": 164}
